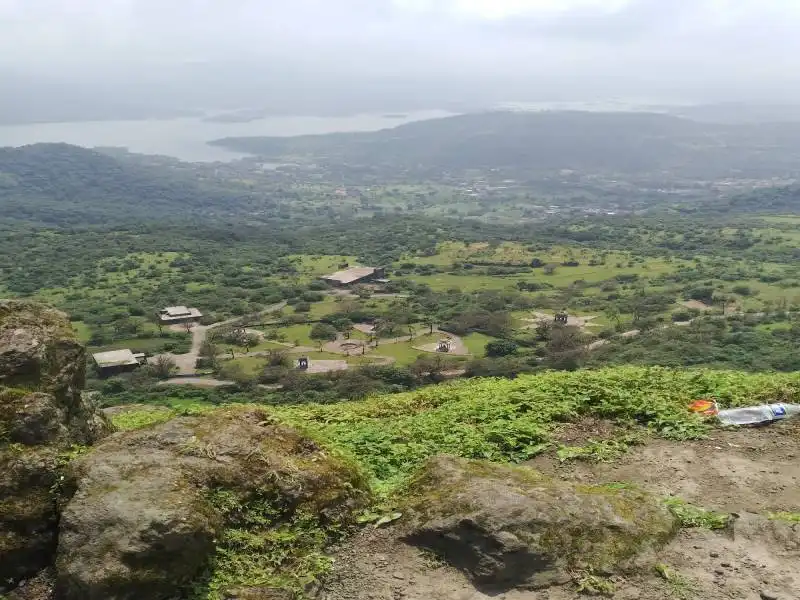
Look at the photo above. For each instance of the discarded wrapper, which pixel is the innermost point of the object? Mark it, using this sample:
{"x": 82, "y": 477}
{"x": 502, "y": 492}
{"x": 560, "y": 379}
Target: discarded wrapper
{"x": 705, "y": 406}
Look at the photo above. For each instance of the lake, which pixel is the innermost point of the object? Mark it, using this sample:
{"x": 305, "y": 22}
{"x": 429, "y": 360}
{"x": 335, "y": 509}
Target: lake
{"x": 186, "y": 138}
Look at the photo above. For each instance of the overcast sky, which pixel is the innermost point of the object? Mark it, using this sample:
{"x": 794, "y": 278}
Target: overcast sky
{"x": 516, "y": 49}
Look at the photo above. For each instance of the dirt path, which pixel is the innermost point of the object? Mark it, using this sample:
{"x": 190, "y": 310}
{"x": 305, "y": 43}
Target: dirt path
{"x": 458, "y": 347}
{"x": 749, "y": 472}
{"x": 186, "y": 363}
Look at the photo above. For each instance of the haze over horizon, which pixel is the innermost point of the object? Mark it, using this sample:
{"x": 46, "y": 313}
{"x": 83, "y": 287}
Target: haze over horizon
{"x": 111, "y": 58}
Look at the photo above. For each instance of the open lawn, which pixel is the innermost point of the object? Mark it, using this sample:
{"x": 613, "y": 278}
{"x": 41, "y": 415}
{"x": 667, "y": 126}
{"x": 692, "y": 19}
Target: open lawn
{"x": 310, "y": 267}
{"x": 82, "y": 330}
{"x": 404, "y": 352}
{"x": 252, "y": 365}
{"x": 298, "y": 334}
{"x": 476, "y": 343}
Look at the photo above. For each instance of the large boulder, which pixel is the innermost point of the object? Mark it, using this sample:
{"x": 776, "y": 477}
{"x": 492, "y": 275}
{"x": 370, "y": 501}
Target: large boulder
{"x": 43, "y": 418}
{"x": 150, "y": 506}
{"x": 508, "y": 527}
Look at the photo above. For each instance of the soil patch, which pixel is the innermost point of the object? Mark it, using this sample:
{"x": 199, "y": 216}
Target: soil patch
{"x": 587, "y": 429}
{"x": 754, "y": 473}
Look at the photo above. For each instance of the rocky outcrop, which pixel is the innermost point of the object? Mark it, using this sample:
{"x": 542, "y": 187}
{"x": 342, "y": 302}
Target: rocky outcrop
{"x": 149, "y": 505}
{"x": 508, "y": 527}
{"x": 43, "y": 417}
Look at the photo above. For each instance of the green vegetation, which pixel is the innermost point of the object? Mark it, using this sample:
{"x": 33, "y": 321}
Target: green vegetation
{"x": 267, "y": 543}
{"x": 512, "y": 420}
{"x": 786, "y": 517}
{"x": 680, "y": 587}
{"x": 694, "y": 516}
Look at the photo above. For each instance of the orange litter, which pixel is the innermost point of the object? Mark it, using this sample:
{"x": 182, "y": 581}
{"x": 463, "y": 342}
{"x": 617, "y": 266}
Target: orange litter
{"x": 705, "y": 406}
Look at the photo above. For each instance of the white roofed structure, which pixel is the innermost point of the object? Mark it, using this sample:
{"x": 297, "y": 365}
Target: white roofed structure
{"x": 117, "y": 358}
{"x": 179, "y": 314}
{"x": 354, "y": 275}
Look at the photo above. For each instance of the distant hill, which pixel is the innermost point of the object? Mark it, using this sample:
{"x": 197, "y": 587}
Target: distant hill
{"x": 592, "y": 142}
{"x": 770, "y": 200}
{"x": 64, "y": 184}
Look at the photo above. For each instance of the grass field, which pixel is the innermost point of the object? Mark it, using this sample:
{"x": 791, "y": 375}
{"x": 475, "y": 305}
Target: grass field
{"x": 476, "y": 343}
{"x": 310, "y": 267}
{"x": 82, "y": 330}
{"x": 252, "y": 365}
{"x": 404, "y": 352}
{"x": 298, "y": 334}
{"x": 560, "y": 278}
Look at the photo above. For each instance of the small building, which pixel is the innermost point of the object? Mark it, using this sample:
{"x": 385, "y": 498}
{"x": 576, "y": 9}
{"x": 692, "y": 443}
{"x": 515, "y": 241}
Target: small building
{"x": 117, "y": 361}
{"x": 179, "y": 314}
{"x": 355, "y": 275}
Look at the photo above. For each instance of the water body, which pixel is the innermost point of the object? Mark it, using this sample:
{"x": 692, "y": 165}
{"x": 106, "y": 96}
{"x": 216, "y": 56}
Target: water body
{"x": 187, "y": 138}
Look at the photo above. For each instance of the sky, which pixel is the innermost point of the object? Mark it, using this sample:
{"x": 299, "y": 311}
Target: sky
{"x": 236, "y": 52}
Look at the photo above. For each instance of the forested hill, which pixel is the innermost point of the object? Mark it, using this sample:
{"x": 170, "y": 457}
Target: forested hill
{"x": 548, "y": 141}
{"x": 64, "y": 184}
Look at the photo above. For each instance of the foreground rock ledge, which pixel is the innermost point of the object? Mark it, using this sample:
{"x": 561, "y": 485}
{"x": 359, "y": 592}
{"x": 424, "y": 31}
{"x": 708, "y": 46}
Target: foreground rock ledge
{"x": 511, "y": 527}
{"x": 142, "y": 523}
{"x": 43, "y": 415}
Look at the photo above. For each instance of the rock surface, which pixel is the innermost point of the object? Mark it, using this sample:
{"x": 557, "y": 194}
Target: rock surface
{"x": 41, "y": 587}
{"x": 147, "y": 509}
{"x": 511, "y": 527}
{"x": 43, "y": 415}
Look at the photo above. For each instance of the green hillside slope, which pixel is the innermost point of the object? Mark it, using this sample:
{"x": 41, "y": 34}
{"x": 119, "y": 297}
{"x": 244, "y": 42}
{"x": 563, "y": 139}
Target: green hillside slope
{"x": 64, "y": 184}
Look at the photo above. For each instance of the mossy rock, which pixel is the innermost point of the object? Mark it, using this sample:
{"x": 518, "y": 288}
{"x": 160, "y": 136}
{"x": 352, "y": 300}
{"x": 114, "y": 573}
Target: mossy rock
{"x": 43, "y": 418}
{"x": 508, "y": 527}
{"x": 38, "y": 349}
{"x": 192, "y": 506}
{"x": 28, "y": 516}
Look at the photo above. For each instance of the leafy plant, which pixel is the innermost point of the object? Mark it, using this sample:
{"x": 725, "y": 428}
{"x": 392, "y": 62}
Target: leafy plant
{"x": 788, "y": 517}
{"x": 593, "y": 585}
{"x": 514, "y": 420}
{"x": 599, "y": 451}
{"x": 680, "y": 586}
{"x": 694, "y": 516}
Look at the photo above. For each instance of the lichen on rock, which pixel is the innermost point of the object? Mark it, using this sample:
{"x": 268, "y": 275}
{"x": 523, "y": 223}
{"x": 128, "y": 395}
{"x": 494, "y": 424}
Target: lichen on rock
{"x": 508, "y": 527}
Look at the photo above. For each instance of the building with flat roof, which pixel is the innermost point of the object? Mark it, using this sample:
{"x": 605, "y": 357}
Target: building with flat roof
{"x": 118, "y": 361}
{"x": 355, "y": 275}
{"x": 179, "y": 314}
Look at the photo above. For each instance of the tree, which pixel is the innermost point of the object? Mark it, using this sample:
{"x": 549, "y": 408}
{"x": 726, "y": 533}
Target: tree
{"x": 322, "y": 333}
{"x": 612, "y": 314}
{"x": 543, "y": 330}
{"x": 385, "y": 328}
{"x": 208, "y": 354}
{"x": 236, "y": 373}
{"x": 566, "y": 348}
{"x": 429, "y": 322}
{"x": 162, "y": 367}
{"x": 426, "y": 367}
{"x": 499, "y": 348}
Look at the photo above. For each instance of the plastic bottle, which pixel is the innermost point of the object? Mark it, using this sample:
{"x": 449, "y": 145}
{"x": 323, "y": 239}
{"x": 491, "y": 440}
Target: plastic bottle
{"x": 753, "y": 415}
